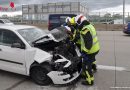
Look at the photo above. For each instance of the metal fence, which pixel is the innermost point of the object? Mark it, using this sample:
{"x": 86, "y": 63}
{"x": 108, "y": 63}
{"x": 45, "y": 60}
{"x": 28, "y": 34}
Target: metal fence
{"x": 109, "y": 17}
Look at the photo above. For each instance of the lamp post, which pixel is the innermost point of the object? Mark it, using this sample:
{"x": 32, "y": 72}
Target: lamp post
{"x": 123, "y": 12}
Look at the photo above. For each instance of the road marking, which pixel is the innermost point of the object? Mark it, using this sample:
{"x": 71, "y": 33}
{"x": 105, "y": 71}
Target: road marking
{"x": 103, "y": 67}
{"x": 120, "y": 87}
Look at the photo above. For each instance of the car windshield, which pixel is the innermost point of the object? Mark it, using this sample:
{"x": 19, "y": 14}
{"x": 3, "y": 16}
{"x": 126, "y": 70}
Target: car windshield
{"x": 31, "y": 34}
{"x": 59, "y": 33}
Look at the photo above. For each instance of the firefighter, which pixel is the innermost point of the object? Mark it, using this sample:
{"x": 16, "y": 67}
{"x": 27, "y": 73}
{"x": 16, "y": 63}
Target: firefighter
{"x": 75, "y": 37}
{"x": 71, "y": 30}
{"x": 89, "y": 47}
{"x": 70, "y": 22}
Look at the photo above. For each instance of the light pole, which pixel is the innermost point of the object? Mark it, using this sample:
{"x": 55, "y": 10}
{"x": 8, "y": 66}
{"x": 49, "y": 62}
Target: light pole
{"x": 123, "y": 12}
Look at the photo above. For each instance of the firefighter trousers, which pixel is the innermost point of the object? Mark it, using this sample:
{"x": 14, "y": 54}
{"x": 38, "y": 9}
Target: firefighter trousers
{"x": 87, "y": 68}
{"x": 93, "y": 59}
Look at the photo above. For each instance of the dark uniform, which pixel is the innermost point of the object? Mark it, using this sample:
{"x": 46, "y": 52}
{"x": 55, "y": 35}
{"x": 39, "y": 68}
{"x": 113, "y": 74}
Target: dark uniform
{"x": 89, "y": 48}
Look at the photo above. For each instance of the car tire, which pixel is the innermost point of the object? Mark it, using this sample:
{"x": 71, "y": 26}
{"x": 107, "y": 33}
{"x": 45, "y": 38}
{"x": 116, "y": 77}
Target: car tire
{"x": 39, "y": 75}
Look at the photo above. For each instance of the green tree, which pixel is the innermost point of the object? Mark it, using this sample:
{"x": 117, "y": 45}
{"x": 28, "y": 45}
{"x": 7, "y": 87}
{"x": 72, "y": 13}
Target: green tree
{"x": 117, "y": 16}
{"x": 107, "y": 15}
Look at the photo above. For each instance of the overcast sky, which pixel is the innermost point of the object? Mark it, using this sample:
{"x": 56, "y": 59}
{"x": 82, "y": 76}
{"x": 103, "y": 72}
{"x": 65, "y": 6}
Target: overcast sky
{"x": 92, "y": 4}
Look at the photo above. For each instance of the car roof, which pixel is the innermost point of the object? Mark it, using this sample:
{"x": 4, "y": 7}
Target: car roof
{"x": 62, "y": 14}
{"x": 50, "y": 15}
{"x": 4, "y": 19}
{"x": 14, "y": 27}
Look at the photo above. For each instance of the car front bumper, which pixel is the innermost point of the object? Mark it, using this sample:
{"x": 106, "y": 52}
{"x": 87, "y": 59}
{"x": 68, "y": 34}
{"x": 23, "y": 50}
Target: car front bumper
{"x": 60, "y": 77}
{"x": 64, "y": 71}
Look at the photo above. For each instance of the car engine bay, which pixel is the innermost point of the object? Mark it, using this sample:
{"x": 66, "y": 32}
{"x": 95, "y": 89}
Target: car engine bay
{"x": 63, "y": 49}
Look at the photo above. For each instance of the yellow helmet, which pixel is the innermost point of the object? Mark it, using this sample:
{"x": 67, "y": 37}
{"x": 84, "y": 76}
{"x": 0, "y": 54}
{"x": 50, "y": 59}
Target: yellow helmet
{"x": 70, "y": 21}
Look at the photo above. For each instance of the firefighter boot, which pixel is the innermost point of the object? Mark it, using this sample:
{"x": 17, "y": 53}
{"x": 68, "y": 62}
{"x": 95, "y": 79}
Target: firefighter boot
{"x": 87, "y": 83}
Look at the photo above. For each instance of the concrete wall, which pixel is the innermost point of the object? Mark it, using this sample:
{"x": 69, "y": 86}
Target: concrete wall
{"x": 109, "y": 27}
{"x": 100, "y": 27}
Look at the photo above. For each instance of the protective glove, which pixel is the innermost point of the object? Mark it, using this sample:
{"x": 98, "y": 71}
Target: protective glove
{"x": 68, "y": 30}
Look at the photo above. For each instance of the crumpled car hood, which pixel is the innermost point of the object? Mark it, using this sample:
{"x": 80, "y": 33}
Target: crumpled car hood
{"x": 41, "y": 56}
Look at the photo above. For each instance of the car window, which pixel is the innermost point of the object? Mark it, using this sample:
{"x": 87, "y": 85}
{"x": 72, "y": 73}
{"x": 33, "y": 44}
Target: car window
{"x": 54, "y": 20}
{"x": 31, "y": 34}
{"x": 59, "y": 33}
{"x": 1, "y": 21}
{"x": 62, "y": 19}
{"x": 8, "y": 38}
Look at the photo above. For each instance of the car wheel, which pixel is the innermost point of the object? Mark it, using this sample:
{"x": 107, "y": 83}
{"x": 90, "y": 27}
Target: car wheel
{"x": 39, "y": 75}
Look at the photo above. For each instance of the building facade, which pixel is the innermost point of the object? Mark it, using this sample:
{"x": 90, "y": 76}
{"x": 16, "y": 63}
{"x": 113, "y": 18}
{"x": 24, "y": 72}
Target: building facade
{"x": 39, "y": 12}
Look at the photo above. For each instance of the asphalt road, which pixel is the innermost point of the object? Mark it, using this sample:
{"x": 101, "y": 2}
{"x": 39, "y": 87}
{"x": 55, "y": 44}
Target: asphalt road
{"x": 113, "y": 68}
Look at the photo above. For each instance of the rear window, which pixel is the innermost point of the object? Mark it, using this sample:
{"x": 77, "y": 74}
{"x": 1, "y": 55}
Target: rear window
{"x": 62, "y": 19}
{"x": 55, "y": 20}
{"x": 59, "y": 18}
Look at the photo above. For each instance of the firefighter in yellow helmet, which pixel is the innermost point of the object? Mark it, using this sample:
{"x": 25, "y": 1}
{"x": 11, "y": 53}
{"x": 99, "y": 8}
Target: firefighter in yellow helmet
{"x": 71, "y": 31}
{"x": 75, "y": 37}
{"x": 89, "y": 47}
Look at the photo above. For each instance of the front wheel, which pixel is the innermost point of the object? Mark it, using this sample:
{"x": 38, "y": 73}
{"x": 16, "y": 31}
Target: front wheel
{"x": 39, "y": 75}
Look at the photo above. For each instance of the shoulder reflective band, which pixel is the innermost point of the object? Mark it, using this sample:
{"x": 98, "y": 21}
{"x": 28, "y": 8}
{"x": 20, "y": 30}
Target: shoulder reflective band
{"x": 84, "y": 32}
{"x": 84, "y": 28}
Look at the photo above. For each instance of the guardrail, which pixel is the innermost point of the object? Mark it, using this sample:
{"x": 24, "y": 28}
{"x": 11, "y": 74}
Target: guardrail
{"x": 99, "y": 27}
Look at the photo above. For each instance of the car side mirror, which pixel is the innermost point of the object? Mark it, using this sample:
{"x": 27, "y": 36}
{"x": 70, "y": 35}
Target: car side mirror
{"x": 17, "y": 45}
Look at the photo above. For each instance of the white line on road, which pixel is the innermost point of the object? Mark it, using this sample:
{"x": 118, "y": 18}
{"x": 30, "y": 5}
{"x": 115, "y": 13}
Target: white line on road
{"x": 103, "y": 67}
{"x": 120, "y": 87}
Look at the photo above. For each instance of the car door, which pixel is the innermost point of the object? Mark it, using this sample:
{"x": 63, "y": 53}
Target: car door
{"x": 11, "y": 59}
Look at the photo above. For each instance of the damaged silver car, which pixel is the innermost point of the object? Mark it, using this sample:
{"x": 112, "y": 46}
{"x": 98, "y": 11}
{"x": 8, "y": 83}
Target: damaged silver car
{"x": 65, "y": 65}
{"x": 45, "y": 57}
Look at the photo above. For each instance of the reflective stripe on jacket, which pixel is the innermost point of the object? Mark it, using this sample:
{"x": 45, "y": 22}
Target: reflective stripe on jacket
{"x": 95, "y": 46}
{"x": 73, "y": 38}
